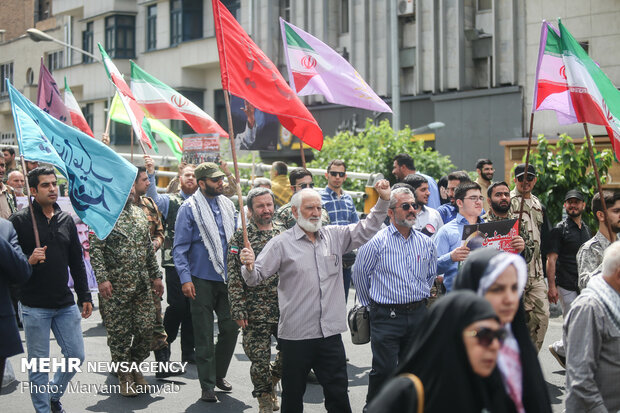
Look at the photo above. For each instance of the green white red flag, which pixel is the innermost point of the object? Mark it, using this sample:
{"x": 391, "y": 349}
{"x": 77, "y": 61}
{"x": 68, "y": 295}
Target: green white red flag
{"x": 594, "y": 98}
{"x": 249, "y": 74}
{"x": 139, "y": 122}
{"x": 317, "y": 69}
{"x": 163, "y": 102}
{"x": 77, "y": 117}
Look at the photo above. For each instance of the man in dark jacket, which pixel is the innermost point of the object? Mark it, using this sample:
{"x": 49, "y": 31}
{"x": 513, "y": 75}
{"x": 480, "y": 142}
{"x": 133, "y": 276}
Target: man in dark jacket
{"x": 14, "y": 269}
{"x": 47, "y": 303}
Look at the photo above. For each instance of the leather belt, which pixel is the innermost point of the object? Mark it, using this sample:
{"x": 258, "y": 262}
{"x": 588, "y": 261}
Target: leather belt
{"x": 402, "y": 307}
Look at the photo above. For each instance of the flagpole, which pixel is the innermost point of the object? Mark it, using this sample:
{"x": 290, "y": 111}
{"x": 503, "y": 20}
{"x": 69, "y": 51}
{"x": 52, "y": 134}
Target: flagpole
{"x": 598, "y": 181}
{"x": 131, "y": 145}
{"x": 105, "y": 138}
{"x": 233, "y": 149}
{"x": 527, "y": 163}
{"x": 303, "y": 155}
{"x": 37, "y": 241}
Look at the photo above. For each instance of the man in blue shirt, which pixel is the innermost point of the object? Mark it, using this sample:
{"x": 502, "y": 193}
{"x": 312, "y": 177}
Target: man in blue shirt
{"x": 393, "y": 275}
{"x": 448, "y": 211}
{"x": 205, "y": 223}
{"x": 448, "y": 239}
{"x": 403, "y": 166}
{"x": 341, "y": 210}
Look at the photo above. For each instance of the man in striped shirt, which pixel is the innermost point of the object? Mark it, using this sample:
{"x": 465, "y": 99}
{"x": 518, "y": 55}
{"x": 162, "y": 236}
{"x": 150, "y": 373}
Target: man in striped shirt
{"x": 393, "y": 275}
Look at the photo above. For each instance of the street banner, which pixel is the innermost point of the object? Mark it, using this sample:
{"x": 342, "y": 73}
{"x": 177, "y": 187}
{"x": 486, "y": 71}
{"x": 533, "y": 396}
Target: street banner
{"x": 99, "y": 179}
{"x": 163, "y": 102}
{"x": 495, "y": 234}
{"x": 139, "y": 122}
{"x": 201, "y": 148}
{"x": 48, "y": 96}
{"x": 316, "y": 69}
{"x": 249, "y": 74}
{"x": 77, "y": 117}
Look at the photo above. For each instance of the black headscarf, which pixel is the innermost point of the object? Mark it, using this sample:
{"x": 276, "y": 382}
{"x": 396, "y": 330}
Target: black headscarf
{"x": 439, "y": 358}
{"x": 535, "y": 397}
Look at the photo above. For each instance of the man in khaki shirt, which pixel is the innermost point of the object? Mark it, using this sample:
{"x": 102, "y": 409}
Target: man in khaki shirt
{"x": 7, "y": 195}
{"x": 485, "y": 170}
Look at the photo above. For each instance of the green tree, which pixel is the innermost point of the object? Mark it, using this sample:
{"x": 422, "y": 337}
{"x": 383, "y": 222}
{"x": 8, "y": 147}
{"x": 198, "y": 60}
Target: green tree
{"x": 373, "y": 149}
{"x": 562, "y": 167}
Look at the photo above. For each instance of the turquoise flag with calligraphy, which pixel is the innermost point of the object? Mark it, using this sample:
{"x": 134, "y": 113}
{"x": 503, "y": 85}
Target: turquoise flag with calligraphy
{"x": 99, "y": 179}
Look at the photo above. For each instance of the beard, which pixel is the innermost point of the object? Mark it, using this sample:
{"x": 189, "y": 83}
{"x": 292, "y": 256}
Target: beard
{"x": 488, "y": 177}
{"x": 407, "y": 222}
{"x": 501, "y": 208}
{"x": 309, "y": 225}
{"x": 264, "y": 220}
{"x": 573, "y": 213}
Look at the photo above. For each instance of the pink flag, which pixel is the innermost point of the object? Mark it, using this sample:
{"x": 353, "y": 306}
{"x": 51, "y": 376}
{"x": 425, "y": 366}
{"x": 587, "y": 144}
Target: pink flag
{"x": 48, "y": 97}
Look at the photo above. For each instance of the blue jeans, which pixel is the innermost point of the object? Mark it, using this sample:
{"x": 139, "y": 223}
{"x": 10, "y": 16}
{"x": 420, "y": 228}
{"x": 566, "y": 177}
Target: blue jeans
{"x": 66, "y": 325}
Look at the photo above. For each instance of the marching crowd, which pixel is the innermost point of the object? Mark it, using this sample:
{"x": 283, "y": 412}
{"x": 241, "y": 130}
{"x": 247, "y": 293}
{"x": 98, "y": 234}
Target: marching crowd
{"x": 452, "y": 328}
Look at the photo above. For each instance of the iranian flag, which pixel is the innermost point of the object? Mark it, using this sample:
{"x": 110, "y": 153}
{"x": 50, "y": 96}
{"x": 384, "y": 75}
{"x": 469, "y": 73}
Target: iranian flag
{"x": 163, "y": 102}
{"x": 139, "y": 122}
{"x": 317, "y": 69}
{"x": 77, "y": 117}
{"x": 594, "y": 98}
{"x": 551, "y": 87}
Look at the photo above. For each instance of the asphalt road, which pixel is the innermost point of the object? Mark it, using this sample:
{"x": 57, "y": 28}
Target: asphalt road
{"x": 182, "y": 394}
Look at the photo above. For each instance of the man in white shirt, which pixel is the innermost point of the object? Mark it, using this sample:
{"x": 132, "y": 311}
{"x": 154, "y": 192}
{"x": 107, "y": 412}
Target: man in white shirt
{"x": 428, "y": 221}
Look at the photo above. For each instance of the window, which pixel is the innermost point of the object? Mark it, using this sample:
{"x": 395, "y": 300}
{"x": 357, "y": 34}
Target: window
{"x": 87, "y": 111}
{"x": 195, "y": 96}
{"x": 484, "y": 5}
{"x": 219, "y": 104}
{"x": 285, "y": 10}
{"x": 87, "y": 42}
{"x": 344, "y": 16}
{"x": 151, "y": 27}
{"x": 55, "y": 60}
{"x": 585, "y": 45}
{"x": 6, "y": 72}
{"x": 185, "y": 20}
{"x": 234, "y": 7}
{"x": 120, "y": 42}
{"x": 41, "y": 10}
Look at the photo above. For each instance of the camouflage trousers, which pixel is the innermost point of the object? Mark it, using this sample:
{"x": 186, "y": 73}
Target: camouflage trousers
{"x": 536, "y": 305}
{"x": 159, "y": 340}
{"x": 128, "y": 319}
{"x": 257, "y": 346}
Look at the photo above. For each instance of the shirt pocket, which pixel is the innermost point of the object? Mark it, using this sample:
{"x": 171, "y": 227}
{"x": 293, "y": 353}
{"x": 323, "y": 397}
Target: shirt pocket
{"x": 331, "y": 263}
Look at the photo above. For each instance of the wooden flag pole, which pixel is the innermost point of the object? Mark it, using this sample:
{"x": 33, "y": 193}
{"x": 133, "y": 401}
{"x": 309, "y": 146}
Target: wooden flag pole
{"x": 527, "y": 163}
{"x": 37, "y": 241}
{"x": 303, "y": 155}
{"x": 105, "y": 138}
{"x": 231, "y": 135}
{"x": 598, "y": 181}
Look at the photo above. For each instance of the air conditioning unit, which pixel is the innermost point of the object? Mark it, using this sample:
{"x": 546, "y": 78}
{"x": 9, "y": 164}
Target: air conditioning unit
{"x": 406, "y": 7}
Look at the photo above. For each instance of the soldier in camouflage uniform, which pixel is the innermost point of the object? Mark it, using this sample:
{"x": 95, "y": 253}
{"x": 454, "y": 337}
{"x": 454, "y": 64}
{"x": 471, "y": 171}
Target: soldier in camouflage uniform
{"x": 126, "y": 271}
{"x": 535, "y": 299}
{"x": 498, "y": 196}
{"x": 590, "y": 255}
{"x": 255, "y": 309}
{"x": 300, "y": 178}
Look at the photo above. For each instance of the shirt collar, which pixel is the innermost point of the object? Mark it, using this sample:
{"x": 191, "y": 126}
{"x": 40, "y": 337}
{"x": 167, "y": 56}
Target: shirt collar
{"x": 300, "y": 233}
{"x": 462, "y": 220}
{"x": 394, "y": 231}
{"x": 331, "y": 192}
{"x": 184, "y": 195}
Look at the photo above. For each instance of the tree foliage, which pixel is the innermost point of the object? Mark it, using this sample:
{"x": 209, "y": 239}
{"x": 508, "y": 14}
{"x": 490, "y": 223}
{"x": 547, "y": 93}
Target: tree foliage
{"x": 373, "y": 149}
{"x": 562, "y": 167}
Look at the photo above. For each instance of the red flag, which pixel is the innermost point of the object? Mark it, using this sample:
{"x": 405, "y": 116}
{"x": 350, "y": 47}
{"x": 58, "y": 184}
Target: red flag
{"x": 248, "y": 73}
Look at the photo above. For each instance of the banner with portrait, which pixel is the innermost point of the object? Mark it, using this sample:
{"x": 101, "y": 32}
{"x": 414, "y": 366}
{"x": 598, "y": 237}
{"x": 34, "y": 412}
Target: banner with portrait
{"x": 495, "y": 234}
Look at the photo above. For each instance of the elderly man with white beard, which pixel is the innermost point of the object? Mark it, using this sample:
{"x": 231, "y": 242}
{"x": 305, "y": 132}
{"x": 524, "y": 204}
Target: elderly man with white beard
{"x": 393, "y": 275}
{"x": 308, "y": 259}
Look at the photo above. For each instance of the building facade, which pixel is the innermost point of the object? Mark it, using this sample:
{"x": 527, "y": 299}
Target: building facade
{"x": 467, "y": 63}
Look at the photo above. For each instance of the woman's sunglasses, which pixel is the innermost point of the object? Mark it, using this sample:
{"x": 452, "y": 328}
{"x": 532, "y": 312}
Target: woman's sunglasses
{"x": 486, "y": 335}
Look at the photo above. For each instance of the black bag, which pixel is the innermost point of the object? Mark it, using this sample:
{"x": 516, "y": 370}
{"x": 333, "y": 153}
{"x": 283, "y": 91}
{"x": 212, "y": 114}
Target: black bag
{"x": 359, "y": 324}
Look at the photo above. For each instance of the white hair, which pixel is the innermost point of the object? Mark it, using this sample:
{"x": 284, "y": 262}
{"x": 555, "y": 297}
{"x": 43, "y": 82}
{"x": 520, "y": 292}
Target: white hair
{"x": 298, "y": 196}
{"x": 394, "y": 194}
{"x": 611, "y": 259}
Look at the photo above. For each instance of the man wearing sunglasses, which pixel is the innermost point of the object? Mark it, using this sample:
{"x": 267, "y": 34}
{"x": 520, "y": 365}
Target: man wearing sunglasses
{"x": 205, "y": 224}
{"x": 341, "y": 210}
{"x": 300, "y": 178}
{"x": 535, "y": 299}
{"x": 393, "y": 275}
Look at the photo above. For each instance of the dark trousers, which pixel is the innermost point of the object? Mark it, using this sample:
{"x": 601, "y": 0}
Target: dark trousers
{"x": 178, "y": 313}
{"x": 212, "y": 360}
{"x": 391, "y": 336}
{"x": 346, "y": 277}
{"x": 327, "y": 358}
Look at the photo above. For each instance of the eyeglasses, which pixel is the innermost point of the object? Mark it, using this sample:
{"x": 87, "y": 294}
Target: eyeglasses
{"x": 408, "y": 205}
{"x": 530, "y": 178}
{"x": 340, "y": 174}
{"x": 216, "y": 180}
{"x": 304, "y": 186}
{"x": 475, "y": 198}
{"x": 486, "y": 335}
